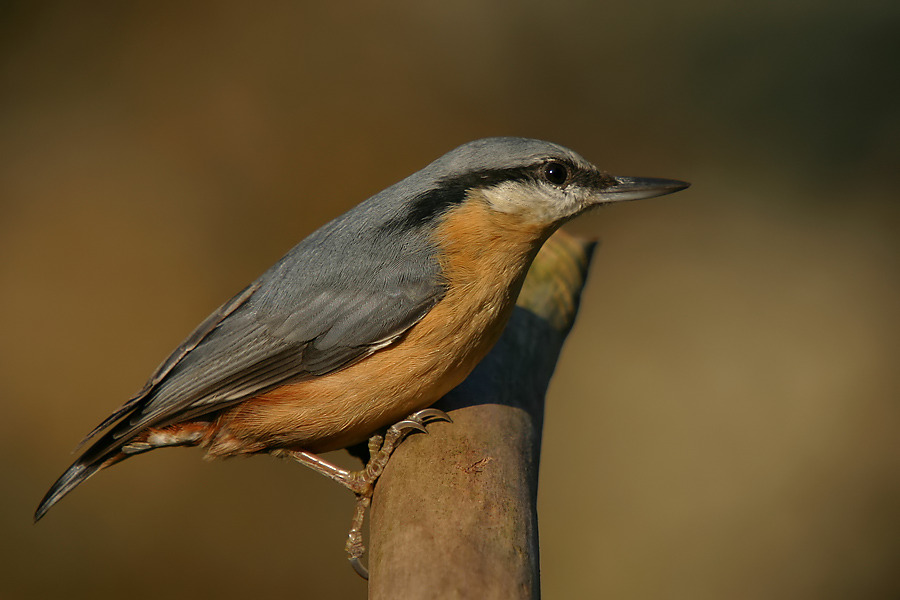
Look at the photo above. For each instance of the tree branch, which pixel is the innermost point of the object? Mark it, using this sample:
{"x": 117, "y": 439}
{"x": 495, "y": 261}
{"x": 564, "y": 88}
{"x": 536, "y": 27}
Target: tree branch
{"x": 454, "y": 515}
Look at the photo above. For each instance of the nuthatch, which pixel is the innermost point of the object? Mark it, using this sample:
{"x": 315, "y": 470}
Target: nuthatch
{"x": 373, "y": 317}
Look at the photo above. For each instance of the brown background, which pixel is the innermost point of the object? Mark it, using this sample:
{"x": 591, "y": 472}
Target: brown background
{"x": 723, "y": 422}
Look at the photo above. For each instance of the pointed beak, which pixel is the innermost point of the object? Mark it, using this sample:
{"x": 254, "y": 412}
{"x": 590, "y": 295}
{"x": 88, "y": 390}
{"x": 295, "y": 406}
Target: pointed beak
{"x": 637, "y": 188}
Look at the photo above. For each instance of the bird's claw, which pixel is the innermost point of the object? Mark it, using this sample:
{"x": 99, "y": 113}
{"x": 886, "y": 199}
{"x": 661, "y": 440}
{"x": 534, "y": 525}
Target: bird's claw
{"x": 418, "y": 420}
{"x": 432, "y": 414}
{"x": 360, "y": 569}
{"x": 406, "y": 424}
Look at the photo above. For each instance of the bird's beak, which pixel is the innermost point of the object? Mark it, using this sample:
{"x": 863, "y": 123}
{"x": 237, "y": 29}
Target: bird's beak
{"x": 637, "y": 188}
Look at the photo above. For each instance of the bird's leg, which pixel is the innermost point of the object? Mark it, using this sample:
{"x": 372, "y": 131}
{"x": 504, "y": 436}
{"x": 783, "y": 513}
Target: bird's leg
{"x": 362, "y": 482}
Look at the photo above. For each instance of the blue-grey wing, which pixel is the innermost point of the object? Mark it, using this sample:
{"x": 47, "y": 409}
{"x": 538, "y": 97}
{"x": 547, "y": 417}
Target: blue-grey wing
{"x": 256, "y": 346}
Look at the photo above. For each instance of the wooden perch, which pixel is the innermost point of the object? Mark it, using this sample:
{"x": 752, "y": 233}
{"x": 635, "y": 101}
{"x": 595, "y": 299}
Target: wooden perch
{"x": 454, "y": 515}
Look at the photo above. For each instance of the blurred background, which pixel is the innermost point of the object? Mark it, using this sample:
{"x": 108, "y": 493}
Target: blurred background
{"x": 723, "y": 420}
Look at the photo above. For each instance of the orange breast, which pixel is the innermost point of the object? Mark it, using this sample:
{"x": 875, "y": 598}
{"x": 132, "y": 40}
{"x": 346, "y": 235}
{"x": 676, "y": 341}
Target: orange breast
{"x": 484, "y": 258}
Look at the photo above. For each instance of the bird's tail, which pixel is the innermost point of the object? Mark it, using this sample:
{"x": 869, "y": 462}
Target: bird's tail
{"x": 113, "y": 447}
{"x": 68, "y": 481}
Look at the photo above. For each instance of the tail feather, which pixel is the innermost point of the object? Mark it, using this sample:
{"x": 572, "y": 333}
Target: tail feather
{"x": 68, "y": 481}
{"x": 104, "y": 452}
{"x": 112, "y": 448}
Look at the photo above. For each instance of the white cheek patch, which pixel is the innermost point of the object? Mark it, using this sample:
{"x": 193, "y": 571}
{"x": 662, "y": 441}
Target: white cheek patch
{"x": 533, "y": 201}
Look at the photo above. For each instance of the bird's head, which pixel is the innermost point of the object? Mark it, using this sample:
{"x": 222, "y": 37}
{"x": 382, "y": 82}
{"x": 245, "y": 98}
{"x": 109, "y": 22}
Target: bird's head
{"x": 535, "y": 181}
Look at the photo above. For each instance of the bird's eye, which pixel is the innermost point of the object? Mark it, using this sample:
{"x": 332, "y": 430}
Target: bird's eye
{"x": 556, "y": 173}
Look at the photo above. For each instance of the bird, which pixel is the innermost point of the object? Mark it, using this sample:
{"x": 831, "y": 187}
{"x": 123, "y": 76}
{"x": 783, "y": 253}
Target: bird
{"x": 366, "y": 322}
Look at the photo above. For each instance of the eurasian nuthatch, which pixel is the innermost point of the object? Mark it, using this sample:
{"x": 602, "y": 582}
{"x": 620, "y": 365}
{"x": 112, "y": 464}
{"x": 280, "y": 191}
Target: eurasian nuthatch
{"x": 373, "y": 317}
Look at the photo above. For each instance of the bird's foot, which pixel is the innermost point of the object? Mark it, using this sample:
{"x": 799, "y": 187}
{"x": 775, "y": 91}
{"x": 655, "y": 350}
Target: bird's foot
{"x": 362, "y": 482}
{"x": 381, "y": 448}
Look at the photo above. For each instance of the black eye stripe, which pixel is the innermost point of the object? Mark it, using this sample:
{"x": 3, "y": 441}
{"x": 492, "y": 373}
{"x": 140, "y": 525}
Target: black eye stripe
{"x": 451, "y": 191}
